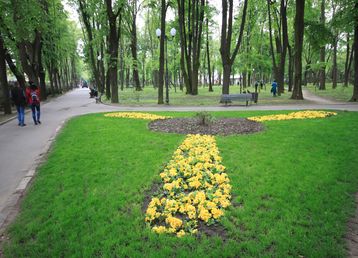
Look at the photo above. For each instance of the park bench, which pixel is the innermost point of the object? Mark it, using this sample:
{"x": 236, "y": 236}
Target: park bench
{"x": 247, "y": 97}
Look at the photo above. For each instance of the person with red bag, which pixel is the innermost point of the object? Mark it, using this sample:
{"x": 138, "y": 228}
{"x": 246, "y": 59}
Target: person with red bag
{"x": 33, "y": 99}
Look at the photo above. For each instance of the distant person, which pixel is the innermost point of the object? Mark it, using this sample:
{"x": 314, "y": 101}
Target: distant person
{"x": 256, "y": 86}
{"x": 261, "y": 84}
{"x": 274, "y": 88}
{"x": 33, "y": 99}
{"x": 19, "y": 98}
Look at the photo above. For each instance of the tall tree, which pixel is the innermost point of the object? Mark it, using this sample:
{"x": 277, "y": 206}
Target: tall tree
{"x": 3, "y": 78}
{"x": 227, "y": 57}
{"x": 208, "y": 49}
{"x": 114, "y": 20}
{"x": 355, "y": 46}
{"x": 335, "y": 48}
{"x": 190, "y": 31}
{"x": 164, "y": 7}
{"x": 299, "y": 29}
{"x": 322, "y": 73}
{"x": 86, "y": 19}
{"x": 281, "y": 40}
{"x": 349, "y": 57}
{"x": 133, "y": 8}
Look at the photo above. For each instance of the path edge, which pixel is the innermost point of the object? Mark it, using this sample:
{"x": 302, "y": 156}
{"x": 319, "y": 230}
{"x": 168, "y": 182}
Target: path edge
{"x": 12, "y": 207}
{"x": 351, "y": 236}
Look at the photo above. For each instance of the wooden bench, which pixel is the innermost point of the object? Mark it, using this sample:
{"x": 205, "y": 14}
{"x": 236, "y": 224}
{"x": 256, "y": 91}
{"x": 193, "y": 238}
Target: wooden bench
{"x": 247, "y": 97}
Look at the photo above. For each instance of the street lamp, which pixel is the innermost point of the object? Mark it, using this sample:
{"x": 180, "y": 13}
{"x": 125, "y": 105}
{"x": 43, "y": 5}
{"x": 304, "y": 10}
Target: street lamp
{"x": 158, "y": 32}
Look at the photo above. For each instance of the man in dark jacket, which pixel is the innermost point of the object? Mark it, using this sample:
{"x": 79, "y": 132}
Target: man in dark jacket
{"x": 19, "y": 99}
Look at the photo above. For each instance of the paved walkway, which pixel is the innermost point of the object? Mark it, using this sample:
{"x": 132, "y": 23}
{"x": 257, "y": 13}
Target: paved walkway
{"x": 21, "y": 149}
{"x": 317, "y": 99}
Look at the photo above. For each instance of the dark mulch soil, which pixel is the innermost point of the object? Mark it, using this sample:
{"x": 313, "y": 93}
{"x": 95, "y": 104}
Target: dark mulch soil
{"x": 220, "y": 126}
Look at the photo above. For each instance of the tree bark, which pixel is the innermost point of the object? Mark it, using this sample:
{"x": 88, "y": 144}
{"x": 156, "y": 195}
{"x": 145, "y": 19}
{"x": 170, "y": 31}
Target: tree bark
{"x": 134, "y": 53}
{"x": 41, "y": 72}
{"x": 334, "y": 59}
{"x": 113, "y": 46}
{"x": 349, "y": 58}
{"x": 225, "y": 47}
{"x": 191, "y": 41}
{"x": 208, "y": 53}
{"x": 3, "y": 78}
{"x": 322, "y": 74}
{"x": 334, "y": 65}
{"x": 161, "y": 53}
{"x": 290, "y": 69}
{"x": 355, "y": 48}
{"x": 299, "y": 29}
{"x": 86, "y": 20}
{"x": 19, "y": 76}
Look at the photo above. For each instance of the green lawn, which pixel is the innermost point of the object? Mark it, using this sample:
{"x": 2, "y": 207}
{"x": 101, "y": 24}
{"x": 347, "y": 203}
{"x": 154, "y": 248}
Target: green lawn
{"x": 339, "y": 94}
{"x": 149, "y": 96}
{"x": 293, "y": 187}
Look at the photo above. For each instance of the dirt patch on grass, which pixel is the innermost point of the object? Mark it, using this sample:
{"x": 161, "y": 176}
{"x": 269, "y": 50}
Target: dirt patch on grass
{"x": 352, "y": 233}
{"x": 219, "y": 126}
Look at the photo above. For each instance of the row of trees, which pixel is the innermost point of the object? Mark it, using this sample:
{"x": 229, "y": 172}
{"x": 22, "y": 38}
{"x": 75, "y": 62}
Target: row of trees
{"x": 294, "y": 42}
{"x": 259, "y": 40}
{"x": 39, "y": 44}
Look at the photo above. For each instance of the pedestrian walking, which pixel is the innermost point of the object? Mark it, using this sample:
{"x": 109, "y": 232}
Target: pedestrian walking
{"x": 256, "y": 86}
{"x": 19, "y": 98}
{"x": 33, "y": 99}
{"x": 274, "y": 88}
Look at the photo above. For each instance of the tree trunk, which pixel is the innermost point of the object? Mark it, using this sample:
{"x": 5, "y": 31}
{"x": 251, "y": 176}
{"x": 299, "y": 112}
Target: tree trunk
{"x": 226, "y": 78}
{"x": 322, "y": 74}
{"x": 88, "y": 27}
{"x": 299, "y": 29}
{"x": 244, "y": 80}
{"x": 3, "y": 78}
{"x": 226, "y": 35}
{"x": 134, "y": 54}
{"x": 128, "y": 71}
{"x": 108, "y": 86}
{"x": 290, "y": 69}
{"x": 19, "y": 76}
{"x": 334, "y": 59}
{"x": 161, "y": 53}
{"x": 334, "y": 65}
{"x": 305, "y": 73}
{"x": 113, "y": 46}
{"x": 208, "y": 53}
{"x": 54, "y": 76}
{"x": 121, "y": 65}
{"x": 190, "y": 41}
{"x": 355, "y": 48}
{"x": 349, "y": 59}
{"x": 52, "y": 86}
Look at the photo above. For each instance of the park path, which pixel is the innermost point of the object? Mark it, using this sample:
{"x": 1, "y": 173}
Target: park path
{"x": 22, "y": 148}
{"x": 317, "y": 99}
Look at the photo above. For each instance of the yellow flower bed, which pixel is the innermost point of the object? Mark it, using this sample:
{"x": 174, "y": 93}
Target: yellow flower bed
{"x": 194, "y": 187}
{"x": 136, "y": 115}
{"x": 294, "y": 115}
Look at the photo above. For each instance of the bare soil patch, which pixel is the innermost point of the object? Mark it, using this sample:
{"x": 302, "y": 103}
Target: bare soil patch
{"x": 219, "y": 126}
{"x": 352, "y": 233}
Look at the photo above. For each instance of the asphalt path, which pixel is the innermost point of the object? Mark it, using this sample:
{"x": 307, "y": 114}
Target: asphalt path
{"x": 22, "y": 148}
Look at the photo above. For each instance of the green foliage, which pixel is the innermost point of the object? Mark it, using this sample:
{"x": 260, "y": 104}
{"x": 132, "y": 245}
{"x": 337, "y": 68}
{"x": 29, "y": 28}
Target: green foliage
{"x": 204, "y": 118}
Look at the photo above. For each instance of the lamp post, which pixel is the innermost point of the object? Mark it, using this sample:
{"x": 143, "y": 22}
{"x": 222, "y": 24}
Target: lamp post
{"x": 158, "y": 32}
